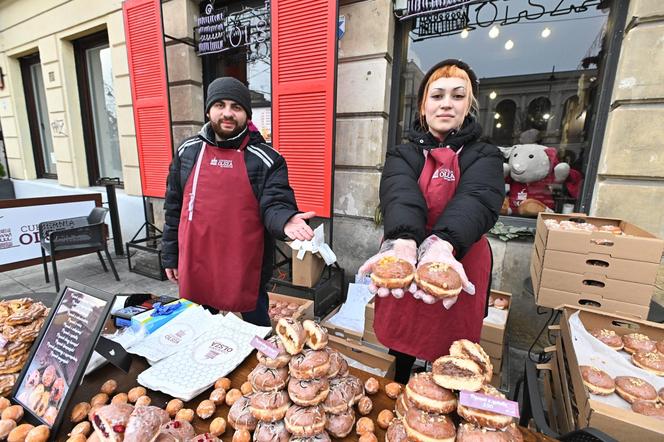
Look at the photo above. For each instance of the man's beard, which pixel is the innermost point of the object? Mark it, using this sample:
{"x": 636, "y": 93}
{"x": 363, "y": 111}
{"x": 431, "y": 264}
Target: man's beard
{"x": 226, "y": 134}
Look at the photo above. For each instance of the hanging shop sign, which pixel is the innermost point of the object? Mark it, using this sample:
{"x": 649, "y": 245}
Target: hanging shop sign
{"x": 220, "y": 31}
{"x": 434, "y": 18}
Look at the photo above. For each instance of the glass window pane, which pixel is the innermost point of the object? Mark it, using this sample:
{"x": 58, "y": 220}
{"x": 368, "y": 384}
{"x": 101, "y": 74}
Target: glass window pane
{"x": 42, "y": 119}
{"x": 104, "y": 113}
{"x": 539, "y": 82}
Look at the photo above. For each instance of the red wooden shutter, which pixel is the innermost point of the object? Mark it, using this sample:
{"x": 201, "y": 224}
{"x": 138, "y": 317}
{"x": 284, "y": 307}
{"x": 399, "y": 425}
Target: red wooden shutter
{"x": 149, "y": 91}
{"x": 304, "y": 47}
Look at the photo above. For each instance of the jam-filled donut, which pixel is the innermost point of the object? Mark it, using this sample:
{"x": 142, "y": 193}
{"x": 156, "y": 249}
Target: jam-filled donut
{"x": 240, "y": 416}
{"x": 338, "y": 364}
{"x": 427, "y": 427}
{"x": 470, "y": 350}
{"x": 633, "y": 389}
{"x": 175, "y": 431}
{"x": 308, "y": 392}
{"x": 608, "y": 337}
{"x": 341, "y": 396}
{"x": 282, "y": 358}
{"x": 309, "y": 364}
{"x": 651, "y": 361}
{"x": 292, "y": 334}
{"x": 316, "y": 335}
{"x": 305, "y": 421}
{"x": 392, "y": 273}
{"x": 597, "y": 381}
{"x": 438, "y": 279}
{"x": 484, "y": 418}
{"x": 269, "y": 406}
{"x": 145, "y": 422}
{"x": 271, "y": 432}
{"x": 263, "y": 378}
{"x": 110, "y": 421}
{"x": 635, "y": 342}
{"x": 340, "y": 425}
{"x": 429, "y": 396}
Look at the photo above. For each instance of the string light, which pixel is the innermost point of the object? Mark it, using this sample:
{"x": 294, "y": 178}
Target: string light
{"x": 546, "y": 32}
{"x": 464, "y": 33}
{"x": 546, "y": 116}
{"x": 493, "y": 95}
{"x": 494, "y": 31}
{"x": 509, "y": 44}
{"x": 496, "y": 116}
{"x": 498, "y": 125}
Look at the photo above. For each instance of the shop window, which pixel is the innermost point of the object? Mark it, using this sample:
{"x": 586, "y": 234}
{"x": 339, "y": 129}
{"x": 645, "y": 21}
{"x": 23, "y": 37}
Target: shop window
{"x": 540, "y": 71}
{"x": 39, "y": 123}
{"x": 98, "y": 107}
{"x": 243, "y": 52}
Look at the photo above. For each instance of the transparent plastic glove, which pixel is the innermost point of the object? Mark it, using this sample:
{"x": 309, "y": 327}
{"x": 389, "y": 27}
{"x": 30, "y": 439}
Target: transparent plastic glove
{"x": 405, "y": 249}
{"x": 434, "y": 249}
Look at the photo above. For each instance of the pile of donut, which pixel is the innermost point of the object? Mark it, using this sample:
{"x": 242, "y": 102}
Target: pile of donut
{"x": 435, "y": 278}
{"x": 305, "y": 393}
{"x": 647, "y": 355}
{"x": 425, "y": 409}
{"x": 582, "y": 227}
{"x": 282, "y": 309}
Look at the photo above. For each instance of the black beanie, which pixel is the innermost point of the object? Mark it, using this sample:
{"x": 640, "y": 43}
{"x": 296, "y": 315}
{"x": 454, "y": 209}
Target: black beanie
{"x": 228, "y": 88}
{"x": 475, "y": 83}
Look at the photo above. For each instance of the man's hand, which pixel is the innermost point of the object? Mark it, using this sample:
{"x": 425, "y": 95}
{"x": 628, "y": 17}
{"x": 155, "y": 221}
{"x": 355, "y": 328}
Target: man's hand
{"x": 297, "y": 227}
{"x": 172, "y": 275}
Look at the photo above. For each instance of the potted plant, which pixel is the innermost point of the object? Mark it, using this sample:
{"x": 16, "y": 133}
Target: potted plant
{"x": 6, "y": 185}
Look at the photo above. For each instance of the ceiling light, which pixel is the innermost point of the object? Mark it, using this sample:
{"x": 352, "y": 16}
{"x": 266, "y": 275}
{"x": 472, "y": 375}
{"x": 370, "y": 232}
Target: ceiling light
{"x": 494, "y": 31}
{"x": 464, "y": 33}
{"x": 493, "y": 95}
{"x": 545, "y": 32}
{"x": 546, "y": 116}
{"x": 498, "y": 125}
{"x": 509, "y": 44}
{"x": 496, "y": 116}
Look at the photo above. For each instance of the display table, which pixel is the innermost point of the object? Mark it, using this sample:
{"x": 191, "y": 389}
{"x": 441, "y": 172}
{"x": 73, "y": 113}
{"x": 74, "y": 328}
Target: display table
{"x": 92, "y": 384}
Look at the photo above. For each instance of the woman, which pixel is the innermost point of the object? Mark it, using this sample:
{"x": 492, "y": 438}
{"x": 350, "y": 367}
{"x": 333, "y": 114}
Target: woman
{"x": 440, "y": 193}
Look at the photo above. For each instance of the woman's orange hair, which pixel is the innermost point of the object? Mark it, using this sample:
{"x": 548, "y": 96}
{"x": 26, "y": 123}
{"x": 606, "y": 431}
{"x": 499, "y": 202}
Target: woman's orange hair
{"x": 450, "y": 71}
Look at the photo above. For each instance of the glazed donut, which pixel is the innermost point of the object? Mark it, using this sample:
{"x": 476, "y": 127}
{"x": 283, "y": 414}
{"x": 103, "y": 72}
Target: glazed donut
{"x": 438, "y": 279}
{"x": 240, "y": 416}
{"x": 316, "y": 335}
{"x": 472, "y": 433}
{"x": 635, "y": 342}
{"x": 145, "y": 423}
{"x": 396, "y": 432}
{"x": 428, "y": 427}
{"x": 608, "y": 337}
{"x": 177, "y": 430}
{"x": 281, "y": 360}
{"x": 110, "y": 421}
{"x": 263, "y": 378}
{"x": 429, "y": 396}
{"x": 338, "y": 364}
{"x": 466, "y": 349}
{"x": 633, "y": 389}
{"x": 649, "y": 409}
{"x": 392, "y": 273}
{"x": 308, "y": 392}
{"x": 305, "y": 421}
{"x": 652, "y": 361}
{"x": 320, "y": 437}
{"x": 269, "y": 406}
{"x": 309, "y": 364}
{"x": 486, "y": 419}
{"x": 271, "y": 432}
{"x": 292, "y": 335}
{"x": 341, "y": 396}
{"x": 597, "y": 381}
{"x": 340, "y": 425}
{"x": 501, "y": 303}
{"x": 49, "y": 376}
{"x": 402, "y": 404}
{"x": 58, "y": 390}
{"x": 455, "y": 373}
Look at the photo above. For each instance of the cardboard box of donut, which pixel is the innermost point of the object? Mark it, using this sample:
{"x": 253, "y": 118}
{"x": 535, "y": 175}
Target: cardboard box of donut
{"x": 621, "y": 424}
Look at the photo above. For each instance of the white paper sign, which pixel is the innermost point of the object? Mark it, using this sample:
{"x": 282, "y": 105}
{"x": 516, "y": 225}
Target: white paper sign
{"x": 19, "y": 227}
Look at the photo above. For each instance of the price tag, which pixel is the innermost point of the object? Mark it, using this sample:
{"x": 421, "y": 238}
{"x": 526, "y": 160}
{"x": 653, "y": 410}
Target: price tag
{"x": 267, "y": 348}
{"x": 489, "y": 403}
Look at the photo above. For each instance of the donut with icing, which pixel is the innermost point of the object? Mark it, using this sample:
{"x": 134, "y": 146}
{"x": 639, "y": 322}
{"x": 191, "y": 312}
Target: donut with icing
{"x": 292, "y": 334}
{"x": 439, "y": 280}
{"x": 263, "y": 378}
{"x": 308, "y": 392}
{"x": 597, "y": 381}
{"x": 305, "y": 421}
{"x": 340, "y": 425}
{"x": 316, "y": 335}
{"x": 635, "y": 342}
{"x": 240, "y": 416}
{"x": 269, "y": 406}
{"x": 633, "y": 389}
{"x": 392, "y": 273}
{"x": 608, "y": 337}
{"x": 271, "y": 432}
{"x": 651, "y": 361}
{"x": 309, "y": 364}
{"x": 282, "y": 358}
{"x": 428, "y": 427}
{"x": 429, "y": 396}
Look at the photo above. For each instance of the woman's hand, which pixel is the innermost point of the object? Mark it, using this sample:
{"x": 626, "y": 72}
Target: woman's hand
{"x": 405, "y": 249}
{"x": 434, "y": 249}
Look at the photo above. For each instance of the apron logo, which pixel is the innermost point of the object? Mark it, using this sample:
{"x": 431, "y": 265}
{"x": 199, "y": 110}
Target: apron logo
{"x": 224, "y": 164}
{"x": 446, "y": 174}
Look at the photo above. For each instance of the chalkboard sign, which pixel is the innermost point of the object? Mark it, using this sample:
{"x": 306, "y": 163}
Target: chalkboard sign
{"x": 60, "y": 354}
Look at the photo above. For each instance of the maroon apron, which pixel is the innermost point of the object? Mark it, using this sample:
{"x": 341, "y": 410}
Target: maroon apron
{"x": 221, "y": 233}
{"x": 426, "y": 331}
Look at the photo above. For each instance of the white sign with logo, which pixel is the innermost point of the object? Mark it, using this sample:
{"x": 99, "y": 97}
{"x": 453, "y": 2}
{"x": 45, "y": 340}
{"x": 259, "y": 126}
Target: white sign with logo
{"x": 19, "y": 227}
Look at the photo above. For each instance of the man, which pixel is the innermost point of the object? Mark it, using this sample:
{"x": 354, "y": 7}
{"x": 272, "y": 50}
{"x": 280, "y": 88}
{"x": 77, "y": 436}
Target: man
{"x": 227, "y": 198}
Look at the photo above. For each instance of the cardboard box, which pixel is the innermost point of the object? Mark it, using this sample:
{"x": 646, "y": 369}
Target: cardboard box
{"x": 307, "y": 271}
{"x": 368, "y": 356}
{"x": 556, "y": 298}
{"x": 592, "y": 284}
{"x": 304, "y": 311}
{"x": 636, "y": 244}
{"x": 621, "y": 424}
{"x": 495, "y": 332}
